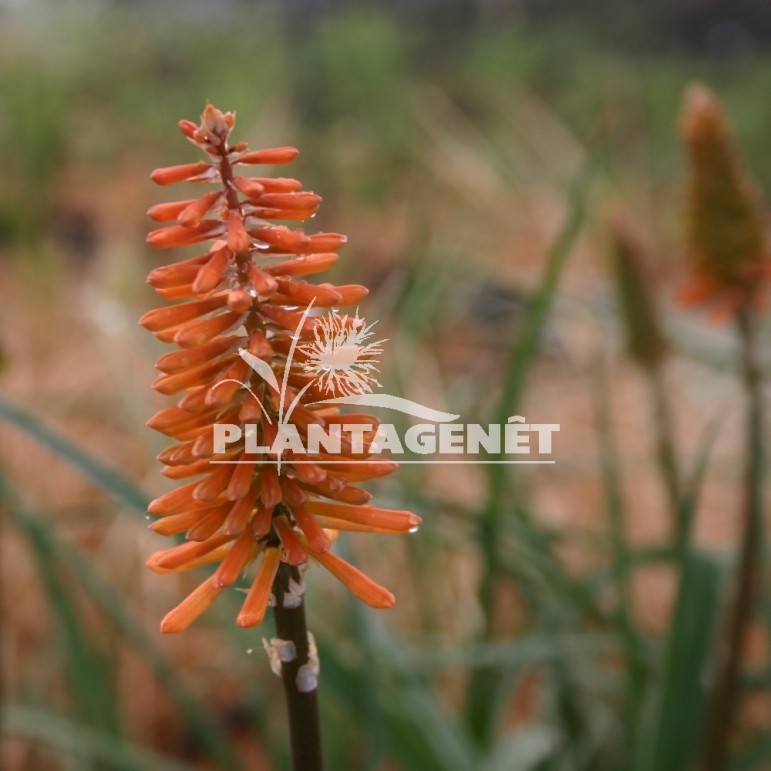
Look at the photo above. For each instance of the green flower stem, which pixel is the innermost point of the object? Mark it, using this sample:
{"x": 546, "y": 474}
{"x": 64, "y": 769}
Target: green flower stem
{"x": 302, "y": 706}
{"x": 726, "y": 694}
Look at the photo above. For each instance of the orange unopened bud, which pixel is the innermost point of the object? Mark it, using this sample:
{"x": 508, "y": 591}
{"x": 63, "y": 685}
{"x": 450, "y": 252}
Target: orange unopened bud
{"x": 727, "y": 242}
{"x": 190, "y": 608}
{"x": 390, "y": 519}
{"x": 250, "y": 187}
{"x": 238, "y": 239}
{"x": 239, "y": 300}
{"x": 171, "y": 174}
{"x": 188, "y": 128}
{"x": 171, "y": 315}
{"x": 303, "y": 293}
{"x": 243, "y": 550}
{"x": 165, "y": 212}
{"x": 316, "y": 537}
{"x": 327, "y": 242}
{"x": 273, "y": 156}
{"x": 304, "y": 265}
{"x": 263, "y": 283}
{"x": 270, "y": 489}
{"x": 217, "y": 123}
{"x": 199, "y": 331}
{"x": 256, "y": 602}
{"x": 191, "y": 215}
{"x": 177, "y": 235}
{"x": 241, "y": 511}
{"x": 294, "y": 552}
{"x": 282, "y": 239}
{"x": 212, "y": 273}
{"x": 360, "y": 585}
{"x": 291, "y": 201}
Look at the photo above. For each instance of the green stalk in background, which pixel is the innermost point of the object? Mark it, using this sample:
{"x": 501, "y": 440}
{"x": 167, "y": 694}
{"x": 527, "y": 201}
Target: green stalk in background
{"x": 480, "y": 702}
{"x": 728, "y": 267}
{"x": 726, "y": 695}
{"x": 647, "y": 346}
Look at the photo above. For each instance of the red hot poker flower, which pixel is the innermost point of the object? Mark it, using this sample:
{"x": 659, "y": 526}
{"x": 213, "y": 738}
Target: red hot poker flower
{"x": 729, "y": 262}
{"x": 241, "y": 302}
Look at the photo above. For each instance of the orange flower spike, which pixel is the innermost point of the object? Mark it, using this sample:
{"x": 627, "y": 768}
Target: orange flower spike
{"x": 171, "y": 174}
{"x": 256, "y": 602}
{"x": 727, "y": 243}
{"x": 236, "y": 296}
{"x": 194, "y": 605}
{"x": 358, "y": 583}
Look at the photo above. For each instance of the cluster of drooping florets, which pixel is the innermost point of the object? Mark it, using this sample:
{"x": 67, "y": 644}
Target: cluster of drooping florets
{"x": 245, "y": 342}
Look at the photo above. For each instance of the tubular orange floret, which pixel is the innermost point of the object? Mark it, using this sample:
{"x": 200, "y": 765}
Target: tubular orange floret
{"x": 171, "y": 174}
{"x": 241, "y": 313}
{"x": 190, "y": 608}
{"x": 256, "y": 602}
{"x": 273, "y": 156}
{"x": 360, "y": 585}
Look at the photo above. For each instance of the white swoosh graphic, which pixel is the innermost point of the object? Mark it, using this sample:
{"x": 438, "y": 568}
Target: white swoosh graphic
{"x": 394, "y": 403}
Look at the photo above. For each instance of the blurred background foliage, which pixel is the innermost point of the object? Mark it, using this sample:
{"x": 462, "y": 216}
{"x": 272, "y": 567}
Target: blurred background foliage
{"x": 480, "y": 156}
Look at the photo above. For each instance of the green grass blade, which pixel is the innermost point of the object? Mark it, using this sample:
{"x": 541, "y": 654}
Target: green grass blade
{"x": 108, "y": 479}
{"x": 72, "y": 738}
{"x": 681, "y": 702}
{"x": 480, "y": 719}
{"x": 198, "y": 722}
